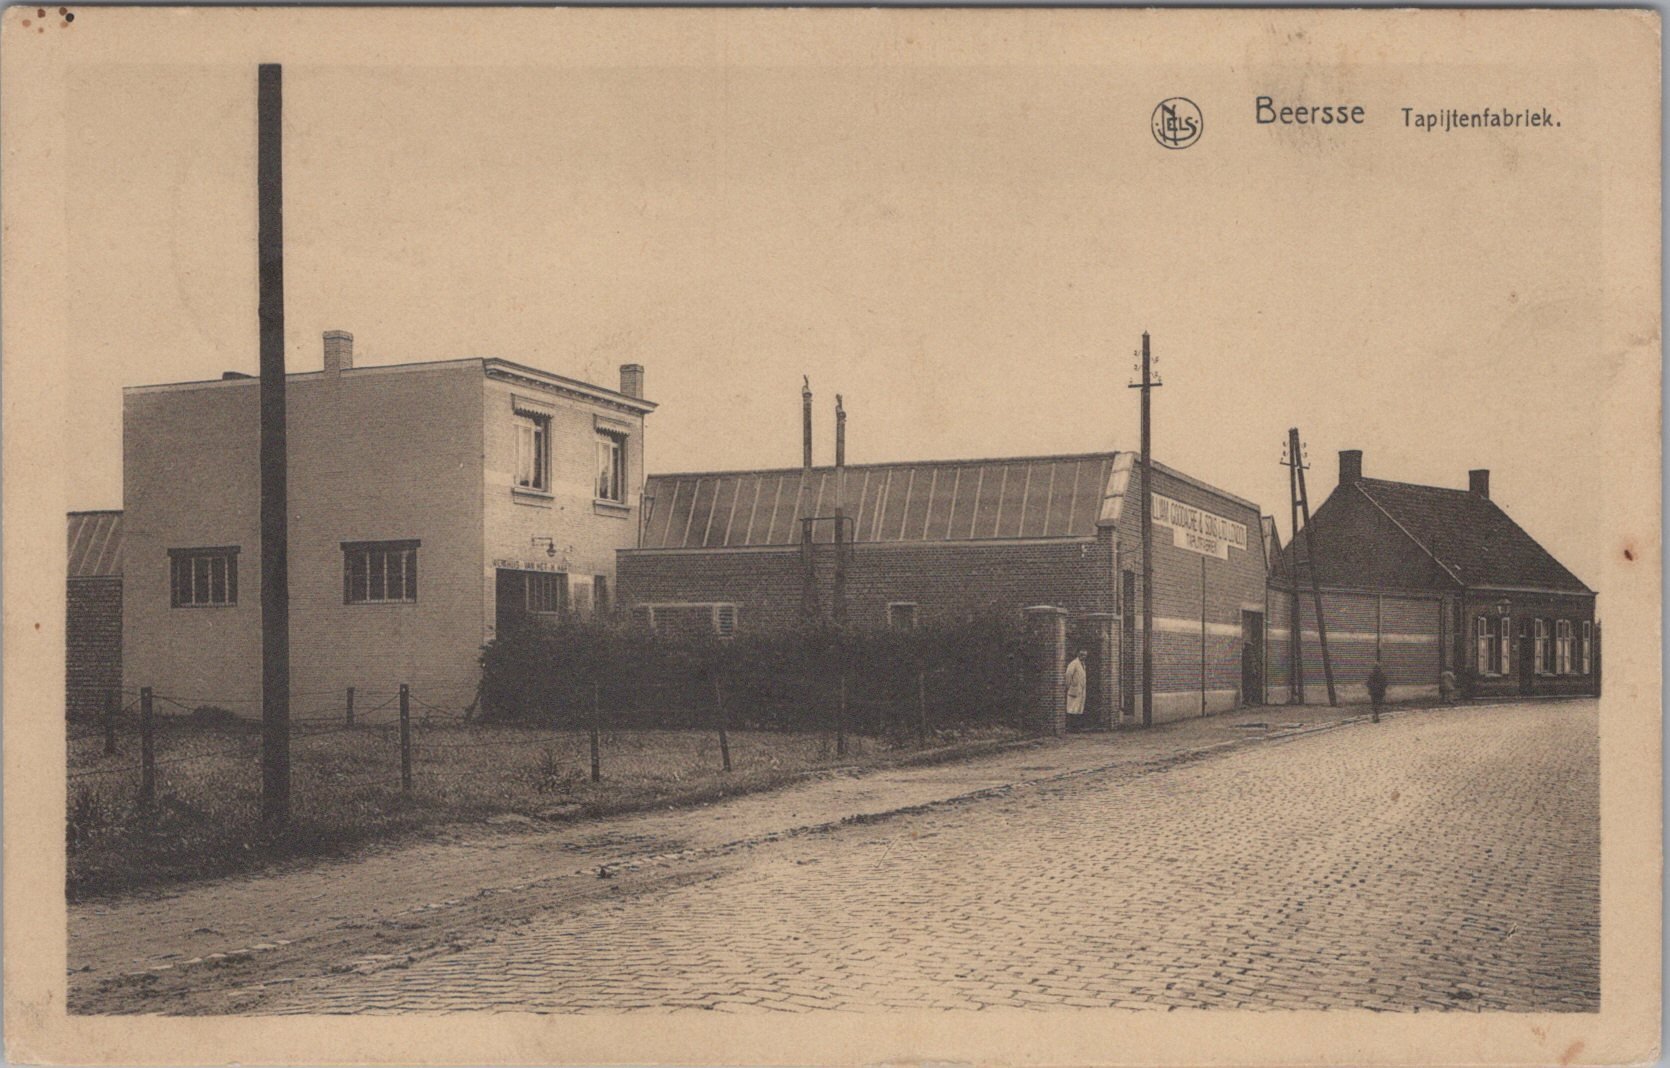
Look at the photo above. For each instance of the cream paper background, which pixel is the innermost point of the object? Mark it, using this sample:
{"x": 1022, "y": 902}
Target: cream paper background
{"x": 957, "y": 218}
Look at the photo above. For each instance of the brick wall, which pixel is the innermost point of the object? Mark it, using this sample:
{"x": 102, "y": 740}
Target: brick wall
{"x": 1231, "y": 587}
{"x": 93, "y": 643}
{"x": 945, "y": 580}
{"x": 1405, "y": 633}
{"x": 1416, "y": 637}
{"x": 764, "y": 584}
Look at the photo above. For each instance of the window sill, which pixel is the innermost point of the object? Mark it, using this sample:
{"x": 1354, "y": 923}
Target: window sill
{"x": 614, "y": 508}
{"x": 210, "y": 604}
{"x": 532, "y": 497}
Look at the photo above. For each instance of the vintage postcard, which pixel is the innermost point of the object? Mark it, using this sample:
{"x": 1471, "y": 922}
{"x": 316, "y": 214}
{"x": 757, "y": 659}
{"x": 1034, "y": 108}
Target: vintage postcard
{"x": 831, "y": 536}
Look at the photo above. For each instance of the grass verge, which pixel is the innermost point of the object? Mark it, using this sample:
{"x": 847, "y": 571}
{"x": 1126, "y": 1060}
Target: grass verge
{"x": 346, "y": 787}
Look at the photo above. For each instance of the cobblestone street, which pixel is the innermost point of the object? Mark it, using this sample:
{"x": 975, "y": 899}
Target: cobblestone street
{"x": 1441, "y": 860}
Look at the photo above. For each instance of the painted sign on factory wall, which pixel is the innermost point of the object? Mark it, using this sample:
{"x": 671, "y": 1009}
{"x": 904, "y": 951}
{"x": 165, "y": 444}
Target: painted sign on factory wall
{"x": 1199, "y": 531}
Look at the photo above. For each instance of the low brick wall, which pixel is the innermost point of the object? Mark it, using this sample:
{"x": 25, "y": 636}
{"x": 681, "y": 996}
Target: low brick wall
{"x": 93, "y": 643}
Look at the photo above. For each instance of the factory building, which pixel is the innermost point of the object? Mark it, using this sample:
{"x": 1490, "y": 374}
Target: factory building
{"x": 1427, "y": 579}
{"x": 928, "y": 541}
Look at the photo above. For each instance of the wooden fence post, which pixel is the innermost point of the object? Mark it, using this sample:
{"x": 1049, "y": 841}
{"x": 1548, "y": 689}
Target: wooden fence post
{"x": 350, "y": 706}
{"x": 841, "y": 719}
{"x": 596, "y": 713}
{"x": 112, "y": 702}
{"x": 724, "y": 738}
{"x": 405, "y": 737}
{"x": 147, "y": 751}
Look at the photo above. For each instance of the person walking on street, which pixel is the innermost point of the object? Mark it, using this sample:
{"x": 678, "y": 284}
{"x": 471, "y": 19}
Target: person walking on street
{"x": 1075, "y": 679}
{"x": 1376, "y": 691}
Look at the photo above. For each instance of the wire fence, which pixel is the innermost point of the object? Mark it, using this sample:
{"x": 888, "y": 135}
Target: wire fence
{"x": 148, "y": 745}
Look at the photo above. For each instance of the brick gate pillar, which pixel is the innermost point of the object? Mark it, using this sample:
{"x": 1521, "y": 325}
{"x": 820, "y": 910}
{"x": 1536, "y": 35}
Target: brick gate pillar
{"x": 1104, "y": 684}
{"x": 1047, "y": 633}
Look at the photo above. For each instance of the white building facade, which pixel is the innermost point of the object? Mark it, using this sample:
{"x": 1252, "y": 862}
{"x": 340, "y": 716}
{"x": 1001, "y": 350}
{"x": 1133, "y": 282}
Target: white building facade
{"x": 430, "y": 505}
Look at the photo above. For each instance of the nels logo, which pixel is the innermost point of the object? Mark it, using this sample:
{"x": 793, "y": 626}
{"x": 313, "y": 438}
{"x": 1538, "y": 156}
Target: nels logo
{"x": 1176, "y": 122}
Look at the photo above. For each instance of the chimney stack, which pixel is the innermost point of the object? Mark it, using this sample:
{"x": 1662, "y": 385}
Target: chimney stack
{"x": 339, "y": 351}
{"x": 1479, "y": 482}
{"x": 840, "y": 434}
{"x": 632, "y": 379}
{"x": 1350, "y": 466}
{"x": 806, "y": 421}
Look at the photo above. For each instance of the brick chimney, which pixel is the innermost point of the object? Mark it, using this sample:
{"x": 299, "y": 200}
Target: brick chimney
{"x": 1479, "y": 482}
{"x": 632, "y": 379}
{"x": 339, "y": 351}
{"x": 1350, "y": 466}
{"x": 806, "y": 421}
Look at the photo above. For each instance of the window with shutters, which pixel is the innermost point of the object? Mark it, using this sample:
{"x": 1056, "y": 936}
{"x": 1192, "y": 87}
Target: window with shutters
{"x": 1588, "y": 647}
{"x": 1492, "y": 640}
{"x": 533, "y": 452}
{"x": 379, "y": 572}
{"x": 203, "y": 577}
{"x": 1542, "y": 647}
{"x": 611, "y": 467}
{"x": 1562, "y": 647}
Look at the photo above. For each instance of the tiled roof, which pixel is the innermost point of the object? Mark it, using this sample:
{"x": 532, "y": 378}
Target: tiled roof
{"x": 953, "y": 500}
{"x": 95, "y": 544}
{"x": 1470, "y": 536}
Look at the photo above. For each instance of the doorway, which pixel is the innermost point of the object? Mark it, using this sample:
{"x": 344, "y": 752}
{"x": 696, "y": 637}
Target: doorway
{"x": 1252, "y": 658}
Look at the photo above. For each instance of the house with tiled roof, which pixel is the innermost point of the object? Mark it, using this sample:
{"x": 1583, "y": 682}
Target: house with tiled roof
{"x": 1470, "y": 590}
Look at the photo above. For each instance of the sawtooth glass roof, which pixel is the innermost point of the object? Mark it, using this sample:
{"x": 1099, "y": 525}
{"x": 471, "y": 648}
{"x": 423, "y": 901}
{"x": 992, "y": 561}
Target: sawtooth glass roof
{"x": 958, "y": 500}
{"x": 95, "y": 544}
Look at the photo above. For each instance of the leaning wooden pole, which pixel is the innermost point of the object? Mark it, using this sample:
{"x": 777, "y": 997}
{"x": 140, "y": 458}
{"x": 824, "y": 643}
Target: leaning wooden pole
{"x": 275, "y": 586}
{"x": 1296, "y": 676}
{"x": 1310, "y": 556}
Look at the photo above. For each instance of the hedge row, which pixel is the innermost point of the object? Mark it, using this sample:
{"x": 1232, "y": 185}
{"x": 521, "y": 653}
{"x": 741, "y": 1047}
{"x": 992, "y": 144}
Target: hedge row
{"x": 963, "y": 673}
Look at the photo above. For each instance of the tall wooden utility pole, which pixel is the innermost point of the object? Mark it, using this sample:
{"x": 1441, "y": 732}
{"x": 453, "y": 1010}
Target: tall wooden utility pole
{"x": 839, "y": 594}
{"x": 1295, "y": 449}
{"x": 1147, "y": 385}
{"x": 1296, "y": 675}
{"x": 275, "y": 571}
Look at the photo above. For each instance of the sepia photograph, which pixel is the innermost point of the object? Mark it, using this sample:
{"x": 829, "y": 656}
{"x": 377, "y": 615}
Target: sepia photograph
{"x": 832, "y": 536}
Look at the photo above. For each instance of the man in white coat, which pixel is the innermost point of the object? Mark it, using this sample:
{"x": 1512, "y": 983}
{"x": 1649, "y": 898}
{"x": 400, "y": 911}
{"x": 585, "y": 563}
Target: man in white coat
{"x": 1075, "y": 685}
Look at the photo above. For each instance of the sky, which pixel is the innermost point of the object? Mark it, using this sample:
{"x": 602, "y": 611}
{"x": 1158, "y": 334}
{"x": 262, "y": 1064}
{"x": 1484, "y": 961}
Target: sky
{"x": 968, "y": 251}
